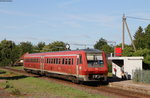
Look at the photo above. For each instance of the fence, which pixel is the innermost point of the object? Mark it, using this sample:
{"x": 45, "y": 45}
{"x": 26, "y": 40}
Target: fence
{"x": 142, "y": 76}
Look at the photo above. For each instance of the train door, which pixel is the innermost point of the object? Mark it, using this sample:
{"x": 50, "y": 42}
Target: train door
{"x": 42, "y": 65}
{"x": 78, "y": 64}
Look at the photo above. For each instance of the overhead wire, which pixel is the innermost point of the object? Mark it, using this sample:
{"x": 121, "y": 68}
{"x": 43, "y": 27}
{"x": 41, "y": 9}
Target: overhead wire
{"x": 137, "y": 18}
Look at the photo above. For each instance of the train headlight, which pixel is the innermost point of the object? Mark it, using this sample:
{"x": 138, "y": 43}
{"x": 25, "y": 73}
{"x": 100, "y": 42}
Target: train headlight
{"x": 80, "y": 68}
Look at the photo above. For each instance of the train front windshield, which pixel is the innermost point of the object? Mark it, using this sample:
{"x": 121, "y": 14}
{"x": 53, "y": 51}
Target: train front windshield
{"x": 95, "y": 60}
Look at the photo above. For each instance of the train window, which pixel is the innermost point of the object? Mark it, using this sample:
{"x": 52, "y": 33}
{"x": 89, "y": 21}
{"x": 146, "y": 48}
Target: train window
{"x": 72, "y": 61}
{"x": 63, "y": 61}
{"x": 59, "y": 61}
{"x": 80, "y": 59}
{"x": 50, "y": 60}
{"x": 95, "y": 60}
{"x": 56, "y": 61}
{"x": 46, "y": 60}
{"x": 66, "y": 60}
{"x": 69, "y": 61}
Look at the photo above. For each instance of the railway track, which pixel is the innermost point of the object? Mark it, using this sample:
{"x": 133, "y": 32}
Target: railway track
{"x": 91, "y": 88}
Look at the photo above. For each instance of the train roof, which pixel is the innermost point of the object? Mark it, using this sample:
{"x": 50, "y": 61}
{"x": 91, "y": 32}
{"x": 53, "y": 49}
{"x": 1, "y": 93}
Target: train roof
{"x": 70, "y": 51}
{"x": 91, "y": 50}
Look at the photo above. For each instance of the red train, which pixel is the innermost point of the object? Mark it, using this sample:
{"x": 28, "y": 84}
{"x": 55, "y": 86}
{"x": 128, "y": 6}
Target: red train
{"x": 79, "y": 65}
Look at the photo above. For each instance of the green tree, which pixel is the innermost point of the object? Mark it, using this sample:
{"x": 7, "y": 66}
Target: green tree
{"x": 99, "y": 44}
{"x": 146, "y": 54}
{"x": 38, "y": 47}
{"x": 147, "y": 36}
{"x": 139, "y": 39}
{"x": 102, "y": 45}
{"x": 128, "y": 51}
{"x": 54, "y": 46}
{"x": 107, "y": 49}
{"x": 25, "y": 47}
{"x": 9, "y": 53}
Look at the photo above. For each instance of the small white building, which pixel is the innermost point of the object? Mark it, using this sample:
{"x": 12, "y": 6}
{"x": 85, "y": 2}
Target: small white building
{"x": 125, "y": 66}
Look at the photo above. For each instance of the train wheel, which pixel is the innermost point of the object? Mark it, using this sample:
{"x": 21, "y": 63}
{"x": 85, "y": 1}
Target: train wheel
{"x": 75, "y": 80}
{"x": 27, "y": 70}
{"x": 105, "y": 82}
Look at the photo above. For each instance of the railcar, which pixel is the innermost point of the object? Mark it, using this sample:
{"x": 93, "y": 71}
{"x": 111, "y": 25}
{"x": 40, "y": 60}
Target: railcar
{"x": 78, "y": 65}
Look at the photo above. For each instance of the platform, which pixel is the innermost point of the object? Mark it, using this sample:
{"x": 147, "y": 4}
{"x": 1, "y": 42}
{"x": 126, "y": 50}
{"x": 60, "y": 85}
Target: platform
{"x": 132, "y": 86}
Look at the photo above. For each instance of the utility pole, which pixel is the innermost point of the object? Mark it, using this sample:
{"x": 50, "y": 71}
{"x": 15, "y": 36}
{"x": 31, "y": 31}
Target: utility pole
{"x": 130, "y": 35}
{"x": 124, "y": 23}
{"x": 123, "y": 20}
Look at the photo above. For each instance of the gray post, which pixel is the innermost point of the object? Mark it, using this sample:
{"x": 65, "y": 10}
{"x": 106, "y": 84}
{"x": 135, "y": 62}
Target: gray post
{"x": 123, "y": 19}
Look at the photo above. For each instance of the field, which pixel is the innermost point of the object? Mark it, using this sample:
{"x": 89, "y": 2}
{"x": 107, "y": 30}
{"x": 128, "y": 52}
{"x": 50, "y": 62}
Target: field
{"x": 24, "y": 86}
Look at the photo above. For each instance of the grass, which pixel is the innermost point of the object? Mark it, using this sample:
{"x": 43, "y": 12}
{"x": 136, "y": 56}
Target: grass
{"x": 31, "y": 86}
{"x": 4, "y": 73}
{"x": 18, "y": 67}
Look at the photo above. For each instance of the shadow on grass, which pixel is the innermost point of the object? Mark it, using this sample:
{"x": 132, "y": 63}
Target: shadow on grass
{"x": 2, "y": 72}
{"x": 14, "y": 77}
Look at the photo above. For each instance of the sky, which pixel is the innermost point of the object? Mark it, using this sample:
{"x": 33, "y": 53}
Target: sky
{"x": 72, "y": 21}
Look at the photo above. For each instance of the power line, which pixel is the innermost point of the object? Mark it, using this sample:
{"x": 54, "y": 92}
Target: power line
{"x": 81, "y": 44}
{"x": 137, "y": 18}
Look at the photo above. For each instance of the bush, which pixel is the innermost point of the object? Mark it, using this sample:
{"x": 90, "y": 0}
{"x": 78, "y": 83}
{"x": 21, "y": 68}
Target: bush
{"x": 8, "y": 85}
{"x": 146, "y": 54}
{"x": 109, "y": 68}
{"x": 16, "y": 92}
{"x": 141, "y": 76}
